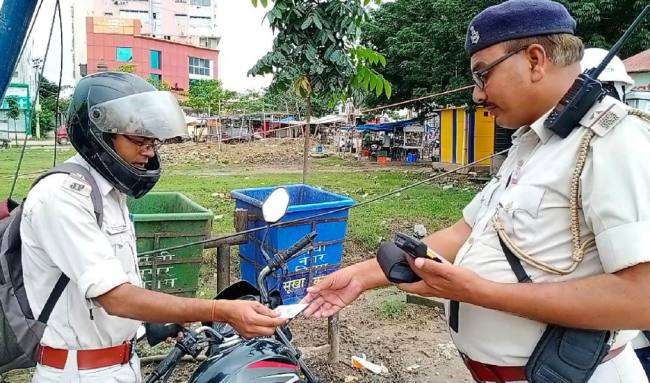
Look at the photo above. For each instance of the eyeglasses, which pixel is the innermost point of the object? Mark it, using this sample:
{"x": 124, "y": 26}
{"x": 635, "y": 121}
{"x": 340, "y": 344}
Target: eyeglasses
{"x": 145, "y": 143}
{"x": 479, "y": 76}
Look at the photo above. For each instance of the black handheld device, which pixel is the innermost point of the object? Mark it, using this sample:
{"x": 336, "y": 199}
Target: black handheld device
{"x": 414, "y": 247}
{"x": 392, "y": 257}
{"x": 585, "y": 91}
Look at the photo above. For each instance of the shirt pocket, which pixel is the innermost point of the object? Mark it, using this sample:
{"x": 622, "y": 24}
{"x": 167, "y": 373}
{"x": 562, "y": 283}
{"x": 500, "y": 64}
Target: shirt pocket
{"x": 488, "y": 191}
{"x": 520, "y": 213}
{"x": 120, "y": 239}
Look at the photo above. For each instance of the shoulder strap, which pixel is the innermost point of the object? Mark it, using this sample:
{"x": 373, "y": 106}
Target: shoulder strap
{"x": 95, "y": 194}
{"x": 98, "y": 207}
{"x": 515, "y": 263}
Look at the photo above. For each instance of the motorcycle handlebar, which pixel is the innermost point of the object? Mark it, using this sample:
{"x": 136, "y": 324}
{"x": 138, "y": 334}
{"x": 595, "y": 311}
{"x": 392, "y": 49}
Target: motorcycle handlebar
{"x": 163, "y": 367}
{"x": 278, "y": 260}
{"x": 284, "y": 255}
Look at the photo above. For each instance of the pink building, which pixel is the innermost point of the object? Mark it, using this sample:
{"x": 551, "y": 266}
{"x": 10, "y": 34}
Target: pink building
{"x": 114, "y": 42}
{"x": 187, "y": 21}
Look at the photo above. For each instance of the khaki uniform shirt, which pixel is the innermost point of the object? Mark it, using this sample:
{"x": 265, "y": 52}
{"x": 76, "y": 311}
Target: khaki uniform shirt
{"x": 534, "y": 208}
{"x": 60, "y": 234}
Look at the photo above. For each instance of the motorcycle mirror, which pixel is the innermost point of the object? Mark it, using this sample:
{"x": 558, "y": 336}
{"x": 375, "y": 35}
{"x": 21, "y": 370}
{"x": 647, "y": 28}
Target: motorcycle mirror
{"x": 275, "y": 206}
{"x": 159, "y": 332}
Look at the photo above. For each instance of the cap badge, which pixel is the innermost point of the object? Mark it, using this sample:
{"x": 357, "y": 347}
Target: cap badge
{"x": 474, "y": 36}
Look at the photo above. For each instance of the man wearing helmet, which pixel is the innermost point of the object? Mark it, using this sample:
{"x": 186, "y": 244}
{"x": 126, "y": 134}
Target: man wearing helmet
{"x": 614, "y": 77}
{"x": 116, "y": 122}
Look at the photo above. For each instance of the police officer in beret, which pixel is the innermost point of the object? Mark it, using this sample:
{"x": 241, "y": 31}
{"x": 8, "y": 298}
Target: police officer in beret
{"x": 573, "y": 213}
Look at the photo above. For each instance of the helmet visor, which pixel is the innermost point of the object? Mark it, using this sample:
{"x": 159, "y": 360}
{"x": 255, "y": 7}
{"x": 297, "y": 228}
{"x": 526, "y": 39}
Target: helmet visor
{"x": 153, "y": 114}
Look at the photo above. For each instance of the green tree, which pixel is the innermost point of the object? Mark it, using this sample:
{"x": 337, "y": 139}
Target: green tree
{"x": 602, "y": 22}
{"x": 424, "y": 41}
{"x": 316, "y": 52}
{"x": 127, "y": 68}
{"x": 208, "y": 94}
{"x": 288, "y": 101}
{"x": 47, "y": 98}
{"x": 247, "y": 103}
{"x": 159, "y": 85}
{"x": 13, "y": 113}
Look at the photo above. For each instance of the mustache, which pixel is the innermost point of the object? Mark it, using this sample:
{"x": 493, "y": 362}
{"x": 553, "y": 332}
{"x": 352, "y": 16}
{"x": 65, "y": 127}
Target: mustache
{"x": 487, "y": 104}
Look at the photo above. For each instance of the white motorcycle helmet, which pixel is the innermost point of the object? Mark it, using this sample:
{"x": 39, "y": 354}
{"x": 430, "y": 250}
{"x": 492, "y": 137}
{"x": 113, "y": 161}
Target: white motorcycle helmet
{"x": 614, "y": 73}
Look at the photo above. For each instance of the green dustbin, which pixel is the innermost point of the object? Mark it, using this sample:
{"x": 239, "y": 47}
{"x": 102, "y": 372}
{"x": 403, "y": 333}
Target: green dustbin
{"x": 166, "y": 219}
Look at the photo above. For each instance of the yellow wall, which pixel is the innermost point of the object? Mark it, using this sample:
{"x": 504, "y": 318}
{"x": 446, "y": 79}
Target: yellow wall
{"x": 461, "y": 137}
{"x": 484, "y": 128}
{"x": 446, "y": 139}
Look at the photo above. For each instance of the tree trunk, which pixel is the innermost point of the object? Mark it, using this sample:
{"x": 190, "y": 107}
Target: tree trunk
{"x": 306, "y": 132}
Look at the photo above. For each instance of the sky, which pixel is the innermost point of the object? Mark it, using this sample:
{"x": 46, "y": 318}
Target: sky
{"x": 245, "y": 37}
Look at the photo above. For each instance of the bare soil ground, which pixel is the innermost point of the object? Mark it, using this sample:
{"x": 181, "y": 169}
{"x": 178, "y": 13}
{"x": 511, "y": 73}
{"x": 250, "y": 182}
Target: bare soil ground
{"x": 279, "y": 151}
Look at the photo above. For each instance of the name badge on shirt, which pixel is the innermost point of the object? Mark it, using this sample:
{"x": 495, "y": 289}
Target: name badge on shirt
{"x": 76, "y": 185}
{"x": 604, "y": 116}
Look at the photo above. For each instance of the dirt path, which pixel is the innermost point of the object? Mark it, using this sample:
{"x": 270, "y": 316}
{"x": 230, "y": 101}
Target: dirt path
{"x": 413, "y": 344}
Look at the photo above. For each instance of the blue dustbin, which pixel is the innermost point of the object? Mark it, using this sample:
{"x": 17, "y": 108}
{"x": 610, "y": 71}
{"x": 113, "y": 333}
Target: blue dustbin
{"x": 305, "y": 270}
{"x": 412, "y": 158}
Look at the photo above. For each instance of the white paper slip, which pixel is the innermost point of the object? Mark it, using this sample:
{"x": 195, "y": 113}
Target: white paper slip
{"x": 290, "y": 311}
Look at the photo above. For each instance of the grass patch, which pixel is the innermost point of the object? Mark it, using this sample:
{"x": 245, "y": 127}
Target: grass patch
{"x": 368, "y": 225}
{"x": 392, "y": 308}
{"x": 35, "y": 160}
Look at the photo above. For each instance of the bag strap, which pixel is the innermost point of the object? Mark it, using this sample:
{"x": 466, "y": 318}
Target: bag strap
{"x": 515, "y": 263}
{"x": 98, "y": 207}
{"x": 517, "y": 268}
{"x": 72, "y": 168}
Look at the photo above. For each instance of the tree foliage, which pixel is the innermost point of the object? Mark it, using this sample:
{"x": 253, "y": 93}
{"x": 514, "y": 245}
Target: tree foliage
{"x": 159, "y": 85}
{"x": 316, "y": 49}
{"x": 423, "y": 40}
{"x": 289, "y": 102}
{"x": 126, "y": 68}
{"x": 208, "y": 95}
{"x": 602, "y": 22}
{"x": 13, "y": 111}
{"x": 47, "y": 99}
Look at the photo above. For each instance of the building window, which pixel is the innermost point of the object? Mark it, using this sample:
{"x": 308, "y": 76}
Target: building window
{"x": 201, "y": 3}
{"x": 199, "y": 66}
{"x": 124, "y": 54}
{"x": 83, "y": 70}
{"x": 141, "y": 15}
{"x": 155, "y": 15}
{"x": 155, "y": 78}
{"x": 108, "y": 13}
{"x": 200, "y": 21}
{"x": 155, "y": 59}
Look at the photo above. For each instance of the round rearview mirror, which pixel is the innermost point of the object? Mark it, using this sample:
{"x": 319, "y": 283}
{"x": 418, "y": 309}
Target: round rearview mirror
{"x": 275, "y": 206}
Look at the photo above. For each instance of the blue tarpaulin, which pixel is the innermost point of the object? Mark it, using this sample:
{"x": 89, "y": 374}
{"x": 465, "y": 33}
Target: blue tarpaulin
{"x": 287, "y": 119}
{"x": 387, "y": 126}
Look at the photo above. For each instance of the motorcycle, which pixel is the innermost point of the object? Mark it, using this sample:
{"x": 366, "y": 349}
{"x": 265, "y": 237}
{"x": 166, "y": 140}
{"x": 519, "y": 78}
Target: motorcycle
{"x": 229, "y": 357}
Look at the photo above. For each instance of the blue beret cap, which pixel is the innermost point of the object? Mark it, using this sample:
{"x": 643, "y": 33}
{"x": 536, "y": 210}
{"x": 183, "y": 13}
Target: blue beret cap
{"x": 515, "y": 19}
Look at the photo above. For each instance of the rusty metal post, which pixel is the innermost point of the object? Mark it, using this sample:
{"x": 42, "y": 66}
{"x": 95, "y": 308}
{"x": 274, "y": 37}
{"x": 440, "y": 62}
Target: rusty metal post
{"x": 333, "y": 336}
{"x": 223, "y": 267}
